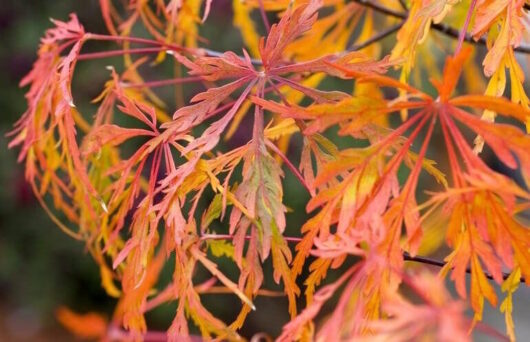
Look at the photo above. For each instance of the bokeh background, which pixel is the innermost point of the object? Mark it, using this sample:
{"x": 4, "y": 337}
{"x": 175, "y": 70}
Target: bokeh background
{"x": 40, "y": 267}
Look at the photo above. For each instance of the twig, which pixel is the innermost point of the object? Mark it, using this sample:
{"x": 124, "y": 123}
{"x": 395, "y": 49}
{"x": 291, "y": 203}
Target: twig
{"x": 442, "y": 28}
{"x": 161, "y": 83}
{"x": 406, "y": 256}
{"x": 114, "y": 53}
{"x": 381, "y": 9}
{"x": 380, "y": 36}
{"x": 434, "y": 262}
{"x": 403, "y": 4}
{"x": 247, "y": 237}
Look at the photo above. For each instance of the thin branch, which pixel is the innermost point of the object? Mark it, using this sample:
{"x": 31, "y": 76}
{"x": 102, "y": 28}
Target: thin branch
{"x": 406, "y": 256}
{"x": 442, "y": 28}
{"x": 114, "y": 53}
{"x": 146, "y": 41}
{"x": 381, "y": 9}
{"x": 161, "y": 83}
{"x": 380, "y": 36}
{"x": 434, "y": 262}
{"x": 247, "y": 237}
{"x": 403, "y": 5}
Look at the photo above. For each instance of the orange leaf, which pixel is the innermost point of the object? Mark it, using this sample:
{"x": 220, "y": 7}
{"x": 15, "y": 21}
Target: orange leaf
{"x": 496, "y": 104}
{"x": 88, "y": 326}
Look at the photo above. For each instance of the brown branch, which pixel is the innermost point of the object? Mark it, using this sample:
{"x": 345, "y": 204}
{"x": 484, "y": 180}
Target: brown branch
{"x": 434, "y": 262}
{"x": 380, "y": 36}
{"x": 440, "y": 27}
{"x": 406, "y": 256}
{"x": 403, "y": 4}
{"x": 381, "y": 9}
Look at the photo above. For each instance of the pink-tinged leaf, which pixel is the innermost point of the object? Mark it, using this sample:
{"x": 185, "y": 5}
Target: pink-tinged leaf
{"x": 502, "y": 138}
{"x": 291, "y": 25}
{"x": 228, "y": 65}
{"x": 110, "y": 135}
{"x": 71, "y": 30}
{"x": 437, "y": 316}
{"x": 210, "y": 137}
{"x": 317, "y": 95}
{"x": 292, "y": 111}
{"x": 293, "y": 329}
{"x": 66, "y": 68}
{"x": 206, "y": 103}
{"x": 129, "y": 246}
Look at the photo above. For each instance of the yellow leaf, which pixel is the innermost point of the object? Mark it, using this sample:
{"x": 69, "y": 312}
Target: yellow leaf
{"x": 243, "y": 21}
{"x": 480, "y": 289}
{"x": 510, "y": 285}
{"x": 108, "y": 283}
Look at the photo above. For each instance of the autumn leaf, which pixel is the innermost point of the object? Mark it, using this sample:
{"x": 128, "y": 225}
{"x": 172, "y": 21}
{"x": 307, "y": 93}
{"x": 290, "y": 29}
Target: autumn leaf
{"x": 175, "y": 180}
{"x": 87, "y": 326}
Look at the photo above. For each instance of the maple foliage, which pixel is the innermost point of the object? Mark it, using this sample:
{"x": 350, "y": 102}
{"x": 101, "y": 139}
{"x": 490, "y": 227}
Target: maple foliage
{"x": 131, "y": 180}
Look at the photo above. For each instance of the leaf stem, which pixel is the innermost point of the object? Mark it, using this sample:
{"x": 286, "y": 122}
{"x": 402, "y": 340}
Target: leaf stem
{"x": 264, "y": 16}
{"x": 291, "y": 167}
{"x": 114, "y": 53}
{"x": 406, "y": 256}
{"x": 380, "y": 9}
{"x": 161, "y": 83}
{"x": 104, "y": 37}
{"x": 463, "y": 31}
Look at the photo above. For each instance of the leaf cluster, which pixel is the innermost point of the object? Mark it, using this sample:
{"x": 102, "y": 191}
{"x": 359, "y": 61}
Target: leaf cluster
{"x": 396, "y": 198}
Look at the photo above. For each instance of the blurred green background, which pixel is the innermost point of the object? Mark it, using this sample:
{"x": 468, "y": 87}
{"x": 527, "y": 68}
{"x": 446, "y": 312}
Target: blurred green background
{"x": 40, "y": 267}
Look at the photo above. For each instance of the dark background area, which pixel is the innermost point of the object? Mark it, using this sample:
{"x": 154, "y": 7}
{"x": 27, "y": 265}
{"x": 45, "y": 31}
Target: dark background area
{"x": 40, "y": 267}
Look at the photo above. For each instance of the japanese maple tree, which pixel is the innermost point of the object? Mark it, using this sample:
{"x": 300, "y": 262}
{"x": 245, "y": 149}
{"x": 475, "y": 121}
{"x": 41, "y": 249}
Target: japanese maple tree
{"x": 395, "y": 168}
